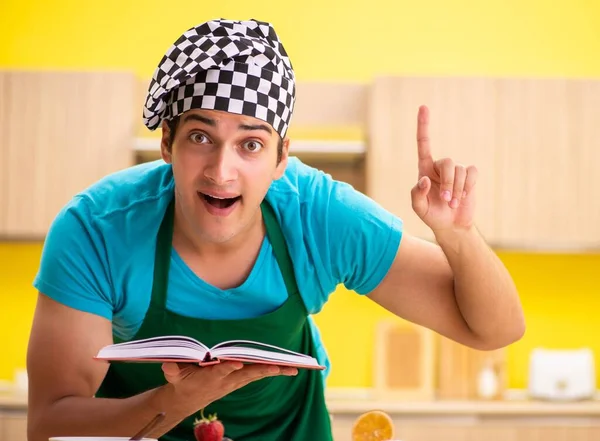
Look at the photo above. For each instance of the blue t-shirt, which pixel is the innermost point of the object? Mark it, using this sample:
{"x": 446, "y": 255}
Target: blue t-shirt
{"x": 98, "y": 255}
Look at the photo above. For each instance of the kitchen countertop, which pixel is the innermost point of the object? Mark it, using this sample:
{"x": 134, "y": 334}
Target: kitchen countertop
{"x": 340, "y": 406}
{"x": 467, "y": 407}
{"x": 13, "y": 400}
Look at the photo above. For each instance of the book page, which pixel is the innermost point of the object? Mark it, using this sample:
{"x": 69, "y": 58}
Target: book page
{"x": 165, "y": 341}
{"x": 259, "y": 351}
{"x": 255, "y": 345}
{"x": 166, "y": 347}
{"x": 151, "y": 353}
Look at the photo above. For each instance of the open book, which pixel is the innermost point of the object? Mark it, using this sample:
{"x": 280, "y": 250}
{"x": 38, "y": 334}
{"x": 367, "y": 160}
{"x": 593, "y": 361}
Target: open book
{"x": 180, "y": 349}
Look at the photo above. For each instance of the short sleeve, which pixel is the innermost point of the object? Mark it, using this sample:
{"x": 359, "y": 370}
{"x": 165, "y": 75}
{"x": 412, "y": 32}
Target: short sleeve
{"x": 73, "y": 267}
{"x": 358, "y": 239}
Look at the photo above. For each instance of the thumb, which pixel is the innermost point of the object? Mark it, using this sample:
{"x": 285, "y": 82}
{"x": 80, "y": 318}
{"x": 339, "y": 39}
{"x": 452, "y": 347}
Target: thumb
{"x": 418, "y": 194}
{"x": 175, "y": 373}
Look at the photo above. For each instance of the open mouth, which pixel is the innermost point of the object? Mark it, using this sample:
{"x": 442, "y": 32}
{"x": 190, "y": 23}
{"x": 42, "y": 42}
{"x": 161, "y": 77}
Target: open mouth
{"x": 220, "y": 203}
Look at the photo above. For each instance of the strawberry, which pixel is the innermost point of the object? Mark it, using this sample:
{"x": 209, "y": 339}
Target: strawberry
{"x": 208, "y": 429}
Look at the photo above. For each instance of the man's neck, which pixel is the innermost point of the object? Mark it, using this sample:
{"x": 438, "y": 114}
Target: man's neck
{"x": 184, "y": 237}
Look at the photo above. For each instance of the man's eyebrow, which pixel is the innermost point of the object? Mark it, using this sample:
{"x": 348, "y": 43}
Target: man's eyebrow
{"x": 264, "y": 127}
{"x": 211, "y": 122}
{"x": 202, "y": 119}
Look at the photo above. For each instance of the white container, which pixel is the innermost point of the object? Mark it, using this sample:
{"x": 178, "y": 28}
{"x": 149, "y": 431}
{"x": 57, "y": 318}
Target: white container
{"x": 21, "y": 380}
{"x": 487, "y": 382}
{"x": 562, "y": 375}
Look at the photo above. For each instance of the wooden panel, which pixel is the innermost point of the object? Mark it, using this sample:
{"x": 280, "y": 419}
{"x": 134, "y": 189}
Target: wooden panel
{"x": 404, "y": 365}
{"x": 459, "y": 367}
{"x": 507, "y": 432}
{"x": 330, "y": 104}
{"x": 439, "y": 432}
{"x": 3, "y": 155}
{"x": 141, "y": 89}
{"x": 65, "y": 131}
{"x": 461, "y": 127}
{"x": 548, "y": 135}
{"x": 350, "y": 170}
{"x": 536, "y": 143}
{"x": 15, "y": 427}
{"x": 471, "y": 428}
{"x": 318, "y": 105}
{"x": 588, "y": 177}
{"x": 551, "y": 433}
{"x": 341, "y": 427}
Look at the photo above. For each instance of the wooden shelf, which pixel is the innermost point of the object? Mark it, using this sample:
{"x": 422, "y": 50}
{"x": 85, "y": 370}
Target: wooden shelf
{"x": 13, "y": 400}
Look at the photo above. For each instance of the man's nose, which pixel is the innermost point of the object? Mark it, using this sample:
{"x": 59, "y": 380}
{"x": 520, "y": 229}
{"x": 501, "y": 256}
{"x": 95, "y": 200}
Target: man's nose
{"x": 222, "y": 167}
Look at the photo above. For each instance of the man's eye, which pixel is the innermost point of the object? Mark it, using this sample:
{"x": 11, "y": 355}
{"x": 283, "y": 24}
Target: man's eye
{"x": 198, "y": 138}
{"x": 253, "y": 146}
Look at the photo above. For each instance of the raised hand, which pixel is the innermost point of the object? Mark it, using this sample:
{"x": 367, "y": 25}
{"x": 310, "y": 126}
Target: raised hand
{"x": 444, "y": 196}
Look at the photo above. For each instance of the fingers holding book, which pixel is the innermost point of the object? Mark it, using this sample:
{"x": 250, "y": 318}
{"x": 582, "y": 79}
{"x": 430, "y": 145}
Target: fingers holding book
{"x": 209, "y": 383}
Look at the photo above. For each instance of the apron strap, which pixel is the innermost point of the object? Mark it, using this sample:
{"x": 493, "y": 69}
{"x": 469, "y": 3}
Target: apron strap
{"x": 280, "y": 248}
{"x": 164, "y": 242}
{"x": 162, "y": 258}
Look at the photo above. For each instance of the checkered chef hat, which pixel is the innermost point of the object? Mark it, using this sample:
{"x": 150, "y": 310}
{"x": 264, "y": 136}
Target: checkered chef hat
{"x": 235, "y": 66}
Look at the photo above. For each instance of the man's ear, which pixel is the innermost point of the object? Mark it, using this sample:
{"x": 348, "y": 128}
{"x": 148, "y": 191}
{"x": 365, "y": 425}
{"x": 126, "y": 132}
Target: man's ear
{"x": 280, "y": 170}
{"x": 165, "y": 147}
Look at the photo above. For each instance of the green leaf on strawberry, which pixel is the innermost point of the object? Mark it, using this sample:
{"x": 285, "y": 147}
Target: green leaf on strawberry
{"x": 208, "y": 428}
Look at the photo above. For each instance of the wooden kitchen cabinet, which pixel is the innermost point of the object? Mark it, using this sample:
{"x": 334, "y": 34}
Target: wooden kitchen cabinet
{"x": 13, "y": 426}
{"x": 460, "y": 110}
{"x": 3, "y": 152}
{"x": 510, "y": 430}
{"x": 61, "y": 131}
{"x": 465, "y": 432}
{"x": 548, "y": 151}
{"x": 532, "y": 432}
{"x": 535, "y": 143}
{"x": 474, "y": 420}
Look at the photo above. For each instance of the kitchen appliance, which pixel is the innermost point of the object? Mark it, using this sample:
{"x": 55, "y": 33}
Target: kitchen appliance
{"x": 562, "y": 374}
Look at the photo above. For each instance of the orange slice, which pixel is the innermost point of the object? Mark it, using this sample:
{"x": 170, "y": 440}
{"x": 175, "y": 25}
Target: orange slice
{"x": 374, "y": 425}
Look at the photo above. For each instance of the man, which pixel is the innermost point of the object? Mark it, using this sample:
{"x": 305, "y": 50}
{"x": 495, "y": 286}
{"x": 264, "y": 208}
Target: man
{"x": 230, "y": 237}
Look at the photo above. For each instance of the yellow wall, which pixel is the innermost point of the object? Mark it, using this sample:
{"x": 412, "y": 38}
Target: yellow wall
{"x": 18, "y": 265}
{"x": 332, "y": 39}
{"x": 439, "y": 37}
{"x": 559, "y": 294}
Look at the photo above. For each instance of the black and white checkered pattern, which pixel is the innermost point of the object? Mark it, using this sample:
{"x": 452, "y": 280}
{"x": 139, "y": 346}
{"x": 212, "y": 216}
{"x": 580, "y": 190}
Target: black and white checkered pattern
{"x": 234, "y": 66}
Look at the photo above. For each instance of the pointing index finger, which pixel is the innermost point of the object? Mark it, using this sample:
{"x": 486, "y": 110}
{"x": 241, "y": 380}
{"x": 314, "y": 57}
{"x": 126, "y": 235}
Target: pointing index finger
{"x": 423, "y": 146}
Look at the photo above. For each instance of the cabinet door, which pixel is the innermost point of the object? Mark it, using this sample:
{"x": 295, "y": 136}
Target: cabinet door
{"x": 3, "y": 150}
{"x": 461, "y": 127}
{"x": 548, "y": 141}
{"x": 504, "y": 432}
{"x": 63, "y": 131}
{"x": 341, "y": 426}
{"x": 437, "y": 432}
{"x": 535, "y": 142}
{"x": 14, "y": 427}
{"x": 515, "y": 430}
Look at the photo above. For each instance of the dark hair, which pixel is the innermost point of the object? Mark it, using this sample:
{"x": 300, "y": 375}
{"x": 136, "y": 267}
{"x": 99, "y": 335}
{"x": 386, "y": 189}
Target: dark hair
{"x": 174, "y": 122}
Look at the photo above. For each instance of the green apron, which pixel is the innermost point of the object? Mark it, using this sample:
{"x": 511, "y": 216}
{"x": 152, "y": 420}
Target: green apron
{"x": 278, "y": 408}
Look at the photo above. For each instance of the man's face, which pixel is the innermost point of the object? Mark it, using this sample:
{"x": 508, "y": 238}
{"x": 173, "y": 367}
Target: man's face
{"x": 223, "y": 165}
